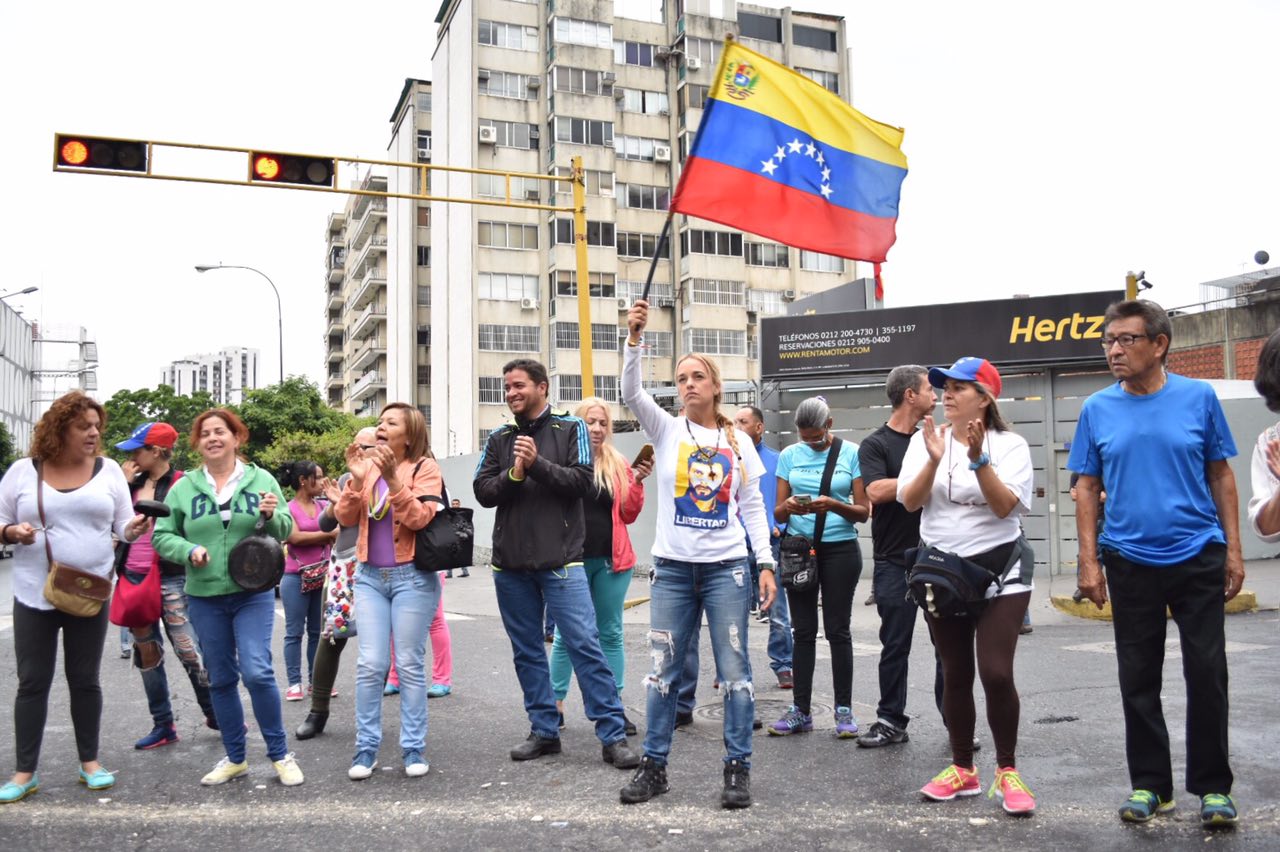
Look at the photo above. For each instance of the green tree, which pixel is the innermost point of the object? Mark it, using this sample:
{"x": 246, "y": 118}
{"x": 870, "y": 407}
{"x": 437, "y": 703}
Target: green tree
{"x": 129, "y": 409}
{"x": 7, "y": 453}
{"x": 292, "y": 406}
{"x": 327, "y": 449}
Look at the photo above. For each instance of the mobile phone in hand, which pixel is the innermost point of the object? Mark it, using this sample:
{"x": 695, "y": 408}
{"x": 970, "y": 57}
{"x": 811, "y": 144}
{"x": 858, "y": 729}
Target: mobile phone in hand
{"x": 645, "y": 454}
{"x": 804, "y": 499}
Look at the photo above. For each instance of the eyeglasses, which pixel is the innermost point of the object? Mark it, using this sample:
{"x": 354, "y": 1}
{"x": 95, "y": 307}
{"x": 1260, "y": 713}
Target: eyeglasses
{"x": 1125, "y": 340}
{"x": 820, "y": 442}
{"x": 367, "y": 446}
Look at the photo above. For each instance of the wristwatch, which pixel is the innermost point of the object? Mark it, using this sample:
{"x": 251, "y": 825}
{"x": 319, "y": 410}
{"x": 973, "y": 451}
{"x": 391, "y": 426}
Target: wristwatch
{"x": 766, "y": 566}
{"x": 982, "y": 461}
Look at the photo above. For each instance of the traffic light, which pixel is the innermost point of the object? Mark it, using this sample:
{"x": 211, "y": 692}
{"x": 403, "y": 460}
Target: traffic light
{"x": 93, "y": 152}
{"x": 265, "y": 167}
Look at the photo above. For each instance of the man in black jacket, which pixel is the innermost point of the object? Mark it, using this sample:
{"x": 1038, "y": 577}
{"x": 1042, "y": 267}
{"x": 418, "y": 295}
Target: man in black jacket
{"x": 150, "y": 475}
{"x": 536, "y": 473}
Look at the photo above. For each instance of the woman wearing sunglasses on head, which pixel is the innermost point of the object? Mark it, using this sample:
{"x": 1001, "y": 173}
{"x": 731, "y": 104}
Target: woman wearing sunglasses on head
{"x": 972, "y": 477}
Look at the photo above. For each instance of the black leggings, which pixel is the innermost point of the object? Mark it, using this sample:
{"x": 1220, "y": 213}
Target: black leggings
{"x": 35, "y": 644}
{"x": 996, "y": 631}
{"x": 839, "y": 567}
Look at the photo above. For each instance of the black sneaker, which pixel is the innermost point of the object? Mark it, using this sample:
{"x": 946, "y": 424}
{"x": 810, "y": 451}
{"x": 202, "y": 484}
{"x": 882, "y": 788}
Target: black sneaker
{"x": 312, "y": 725}
{"x": 628, "y": 726}
{"x": 620, "y": 755}
{"x": 534, "y": 747}
{"x": 649, "y": 780}
{"x": 684, "y": 717}
{"x": 737, "y": 785}
{"x": 881, "y": 734}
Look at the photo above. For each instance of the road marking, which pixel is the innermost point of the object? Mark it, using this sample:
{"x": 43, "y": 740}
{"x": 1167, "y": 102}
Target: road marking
{"x": 1172, "y": 648}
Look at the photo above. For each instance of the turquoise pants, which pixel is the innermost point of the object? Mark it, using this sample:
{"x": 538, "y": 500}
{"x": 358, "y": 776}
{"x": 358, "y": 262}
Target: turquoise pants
{"x": 608, "y": 591}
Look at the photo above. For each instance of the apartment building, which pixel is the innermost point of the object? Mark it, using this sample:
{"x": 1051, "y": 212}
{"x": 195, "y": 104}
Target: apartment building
{"x": 226, "y": 374}
{"x": 526, "y": 87}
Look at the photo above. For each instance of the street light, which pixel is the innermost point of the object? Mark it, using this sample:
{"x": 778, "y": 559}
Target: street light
{"x": 279, "y": 309}
{"x": 18, "y": 293}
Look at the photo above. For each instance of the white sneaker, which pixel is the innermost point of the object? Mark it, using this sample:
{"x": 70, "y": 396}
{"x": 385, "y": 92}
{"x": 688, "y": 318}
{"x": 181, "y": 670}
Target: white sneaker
{"x": 415, "y": 765}
{"x": 288, "y": 770}
{"x": 362, "y": 767}
{"x": 224, "y": 772}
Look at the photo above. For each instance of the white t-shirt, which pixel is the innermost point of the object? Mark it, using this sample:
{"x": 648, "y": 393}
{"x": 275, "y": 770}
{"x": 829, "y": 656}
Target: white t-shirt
{"x": 702, "y": 483}
{"x": 1264, "y": 482}
{"x": 80, "y": 525}
{"x": 956, "y": 517}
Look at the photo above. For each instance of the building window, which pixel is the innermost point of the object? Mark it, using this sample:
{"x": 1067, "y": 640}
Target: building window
{"x": 508, "y": 338}
{"x": 583, "y": 131}
{"x": 424, "y": 374}
{"x": 816, "y": 262}
{"x": 424, "y": 217}
{"x": 495, "y": 186}
{"x": 636, "y": 147}
{"x": 582, "y": 81}
{"x": 766, "y": 302}
{"x": 491, "y": 392}
{"x": 565, "y": 388}
{"x": 695, "y": 96}
{"x": 598, "y": 182}
{"x": 514, "y": 134}
{"x": 711, "y": 242}
{"x": 706, "y": 49}
{"x": 424, "y": 255}
{"x": 607, "y": 388}
{"x": 598, "y": 233}
{"x": 642, "y": 197}
{"x": 512, "y": 36}
{"x": 484, "y": 436}
{"x": 659, "y": 291}
{"x": 508, "y": 235}
{"x": 812, "y": 37}
{"x": 424, "y": 102}
{"x": 657, "y": 344}
{"x": 424, "y": 146}
{"x": 564, "y": 335}
{"x": 713, "y": 291}
{"x": 638, "y": 245}
{"x": 763, "y": 27}
{"x": 574, "y": 31}
{"x": 828, "y": 80}
{"x": 424, "y": 295}
{"x": 770, "y": 255}
{"x": 424, "y": 335}
{"x": 641, "y": 100}
{"x": 634, "y": 53}
{"x": 507, "y": 287}
{"x": 564, "y": 282}
{"x": 504, "y": 84}
{"x": 715, "y": 341}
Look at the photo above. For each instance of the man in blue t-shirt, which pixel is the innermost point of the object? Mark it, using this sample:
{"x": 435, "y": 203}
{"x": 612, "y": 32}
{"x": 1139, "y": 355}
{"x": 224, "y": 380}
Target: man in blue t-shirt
{"x": 1170, "y": 538}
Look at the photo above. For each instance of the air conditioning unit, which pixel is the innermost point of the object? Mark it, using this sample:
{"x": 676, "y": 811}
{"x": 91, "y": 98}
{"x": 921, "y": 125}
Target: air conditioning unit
{"x": 619, "y": 94}
{"x": 532, "y": 195}
{"x": 529, "y": 304}
{"x": 664, "y": 302}
{"x": 608, "y": 77}
{"x": 483, "y": 74}
{"x": 789, "y": 295}
{"x": 624, "y": 305}
{"x": 662, "y": 153}
{"x": 664, "y": 112}
{"x": 662, "y": 53}
{"x": 535, "y": 82}
{"x": 488, "y": 135}
{"x": 693, "y": 63}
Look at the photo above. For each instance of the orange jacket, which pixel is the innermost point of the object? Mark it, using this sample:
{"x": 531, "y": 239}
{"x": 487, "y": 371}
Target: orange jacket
{"x": 408, "y": 513}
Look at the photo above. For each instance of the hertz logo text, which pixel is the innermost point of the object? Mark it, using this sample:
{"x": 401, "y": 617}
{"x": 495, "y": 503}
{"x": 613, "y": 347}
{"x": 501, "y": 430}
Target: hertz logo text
{"x": 1076, "y": 327}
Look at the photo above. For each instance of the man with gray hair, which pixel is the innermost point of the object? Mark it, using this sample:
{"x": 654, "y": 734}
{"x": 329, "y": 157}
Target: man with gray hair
{"x": 893, "y": 531}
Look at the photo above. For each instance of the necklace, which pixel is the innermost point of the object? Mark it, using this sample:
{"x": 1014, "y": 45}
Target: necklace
{"x": 703, "y": 454}
{"x": 379, "y": 504}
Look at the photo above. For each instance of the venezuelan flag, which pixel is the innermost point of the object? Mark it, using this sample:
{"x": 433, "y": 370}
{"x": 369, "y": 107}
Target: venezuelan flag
{"x": 780, "y": 156}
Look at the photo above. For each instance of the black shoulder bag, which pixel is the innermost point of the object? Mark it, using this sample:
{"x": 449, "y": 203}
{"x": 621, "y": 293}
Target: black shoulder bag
{"x": 798, "y": 567}
{"x": 449, "y": 540}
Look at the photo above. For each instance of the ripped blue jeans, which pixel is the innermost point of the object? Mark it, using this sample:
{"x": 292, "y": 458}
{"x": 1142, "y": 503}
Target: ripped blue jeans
{"x": 680, "y": 592}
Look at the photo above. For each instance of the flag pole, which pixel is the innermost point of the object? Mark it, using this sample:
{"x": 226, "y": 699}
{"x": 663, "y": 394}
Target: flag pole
{"x": 658, "y": 251}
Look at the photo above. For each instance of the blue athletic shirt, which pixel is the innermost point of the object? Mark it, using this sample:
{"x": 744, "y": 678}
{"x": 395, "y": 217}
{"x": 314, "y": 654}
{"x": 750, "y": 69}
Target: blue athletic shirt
{"x": 802, "y": 468}
{"x": 1150, "y": 452}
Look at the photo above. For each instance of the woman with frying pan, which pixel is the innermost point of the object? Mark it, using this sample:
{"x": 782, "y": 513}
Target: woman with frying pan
{"x": 223, "y": 516}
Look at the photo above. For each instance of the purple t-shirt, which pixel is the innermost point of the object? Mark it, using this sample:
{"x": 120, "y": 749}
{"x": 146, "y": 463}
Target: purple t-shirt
{"x": 382, "y": 533}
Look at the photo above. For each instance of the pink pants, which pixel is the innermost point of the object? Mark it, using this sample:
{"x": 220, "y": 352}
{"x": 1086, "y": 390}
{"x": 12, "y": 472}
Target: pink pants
{"x": 441, "y": 652}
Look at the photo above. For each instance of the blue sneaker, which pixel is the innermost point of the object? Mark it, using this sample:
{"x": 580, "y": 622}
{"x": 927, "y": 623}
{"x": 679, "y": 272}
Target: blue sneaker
{"x": 362, "y": 767}
{"x": 792, "y": 722}
{"x": 438, "y": 690}
{"x": 1217, "y": 809}
{"x": 12, "y": 792}
{"x": 161, "y": 735}
{"x": 415, "y": 765}
{"x": 1144, "y": 806}
{"x": 846, "y": 725}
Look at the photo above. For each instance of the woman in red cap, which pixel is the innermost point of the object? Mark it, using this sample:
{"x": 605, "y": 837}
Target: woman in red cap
{"x": 972, "y": 477}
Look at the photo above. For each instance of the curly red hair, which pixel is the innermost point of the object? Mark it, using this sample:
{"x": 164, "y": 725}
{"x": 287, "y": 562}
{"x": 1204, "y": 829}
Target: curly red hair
{"x": 51, "y": 432}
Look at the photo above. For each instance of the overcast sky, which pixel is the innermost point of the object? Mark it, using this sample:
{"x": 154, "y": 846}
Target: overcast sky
{"x": 1051, "y": 149}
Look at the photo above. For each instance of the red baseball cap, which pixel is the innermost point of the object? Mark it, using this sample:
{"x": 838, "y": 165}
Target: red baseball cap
{"x": 150, "y": 435}
{"x": 968, "y": 369}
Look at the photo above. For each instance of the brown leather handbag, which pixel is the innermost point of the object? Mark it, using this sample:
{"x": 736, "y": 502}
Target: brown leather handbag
{"x": 70, "y": 590}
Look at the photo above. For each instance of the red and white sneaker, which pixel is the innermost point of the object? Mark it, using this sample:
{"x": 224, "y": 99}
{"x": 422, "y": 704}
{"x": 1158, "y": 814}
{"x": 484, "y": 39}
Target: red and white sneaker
{"x": 951, "y": 782}
{"x": 294, "y": 693}
{"x": 1015, "y": 795}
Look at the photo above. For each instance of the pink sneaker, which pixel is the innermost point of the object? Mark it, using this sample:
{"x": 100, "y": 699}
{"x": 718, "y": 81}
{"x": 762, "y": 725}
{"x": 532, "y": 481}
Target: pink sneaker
{"x": 294, "y": 693}
{"x": 1013, "y": 791}
{"x": 951, "y": 782}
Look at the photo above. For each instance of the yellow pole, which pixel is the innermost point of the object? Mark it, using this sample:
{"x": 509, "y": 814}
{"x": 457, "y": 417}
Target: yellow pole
{"x": 1130, "y": 287}
{"x": 584, "y": 284}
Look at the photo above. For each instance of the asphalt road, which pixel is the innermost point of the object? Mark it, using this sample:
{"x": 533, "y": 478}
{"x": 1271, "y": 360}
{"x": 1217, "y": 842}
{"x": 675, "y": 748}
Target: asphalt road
{"x": 811, "y": 791}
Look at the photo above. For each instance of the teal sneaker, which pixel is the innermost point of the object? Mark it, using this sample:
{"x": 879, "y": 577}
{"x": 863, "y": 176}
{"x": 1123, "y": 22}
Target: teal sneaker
{"x": 439, "y": 690}
{"x": 1217, "y": 809}
{"x": 12, "y": 792}
{"x": 1144, "y": 806}
{"x": 98, "y": 779}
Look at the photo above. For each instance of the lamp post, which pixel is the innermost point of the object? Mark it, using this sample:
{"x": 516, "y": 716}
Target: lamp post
{"x": 279, "y": 309}
{"x": 18, "y": 293}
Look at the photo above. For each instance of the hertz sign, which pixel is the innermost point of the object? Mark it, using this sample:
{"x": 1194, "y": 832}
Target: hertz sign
{"x": 1043, "y": 330}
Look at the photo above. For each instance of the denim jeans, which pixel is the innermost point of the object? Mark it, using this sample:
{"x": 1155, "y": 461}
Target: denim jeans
{"x": 681, "y": 591}
{"x": 186, "y": 645}
{"x": 608, "y": 593}
{"x": 781, "y": 642}
{"x": 397, "y": 602}
{"x": 897, "y": 625}
{"x": 522, "y": 596}
{"x": 301, "y": 612}
{"x": 235, "y": 637}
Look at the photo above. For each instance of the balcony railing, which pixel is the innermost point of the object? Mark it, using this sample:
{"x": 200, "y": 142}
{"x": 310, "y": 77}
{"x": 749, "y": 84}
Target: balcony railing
{"x": 368, "y": 383}
{"x": 368, "y": 320}
{"x": 369, "y": 351}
